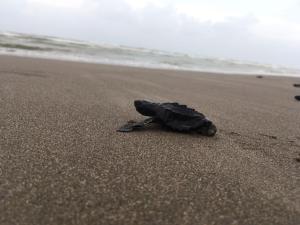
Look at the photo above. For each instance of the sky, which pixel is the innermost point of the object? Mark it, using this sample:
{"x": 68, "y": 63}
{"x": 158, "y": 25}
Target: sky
{"x": 266, "y": 31}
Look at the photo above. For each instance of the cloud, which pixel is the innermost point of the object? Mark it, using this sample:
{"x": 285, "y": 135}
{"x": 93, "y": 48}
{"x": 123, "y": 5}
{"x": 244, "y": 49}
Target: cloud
{"x": 160, "y": 26}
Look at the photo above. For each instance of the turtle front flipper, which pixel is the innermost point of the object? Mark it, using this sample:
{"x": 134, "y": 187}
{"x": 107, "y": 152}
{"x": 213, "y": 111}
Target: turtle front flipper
{"x": 133, "y": 125}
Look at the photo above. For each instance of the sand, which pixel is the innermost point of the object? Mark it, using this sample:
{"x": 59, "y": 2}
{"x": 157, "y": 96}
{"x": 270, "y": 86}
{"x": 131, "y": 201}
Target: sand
{"x": 62, "y": 161}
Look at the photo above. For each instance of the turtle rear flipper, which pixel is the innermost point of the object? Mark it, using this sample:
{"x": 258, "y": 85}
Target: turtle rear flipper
{"x": 146, "y": 108}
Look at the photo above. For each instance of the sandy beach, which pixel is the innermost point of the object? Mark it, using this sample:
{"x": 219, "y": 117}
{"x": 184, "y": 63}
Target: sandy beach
{"x": 62, "y": 161}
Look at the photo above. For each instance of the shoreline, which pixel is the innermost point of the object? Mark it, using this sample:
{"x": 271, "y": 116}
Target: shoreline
{"x": 146, "y": 67}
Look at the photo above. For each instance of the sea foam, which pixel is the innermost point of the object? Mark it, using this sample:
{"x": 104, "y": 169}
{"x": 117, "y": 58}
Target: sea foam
{"x": 58, "y": 48}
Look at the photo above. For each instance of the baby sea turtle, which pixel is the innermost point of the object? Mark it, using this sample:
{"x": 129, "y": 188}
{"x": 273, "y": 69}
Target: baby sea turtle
{"x": 171, "y": 115}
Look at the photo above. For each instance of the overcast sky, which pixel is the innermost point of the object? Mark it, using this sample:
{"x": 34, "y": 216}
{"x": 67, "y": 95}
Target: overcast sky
{"x": 256, "y": 30}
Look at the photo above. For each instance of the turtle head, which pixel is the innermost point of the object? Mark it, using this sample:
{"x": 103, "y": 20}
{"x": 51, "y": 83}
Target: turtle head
{"x": 145, "y": 108}
{"x": 207, "y": 129}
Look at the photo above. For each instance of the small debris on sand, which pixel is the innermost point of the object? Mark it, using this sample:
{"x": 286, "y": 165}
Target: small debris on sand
{"x": 297, "y": 97}
{"x": 259, "y": 76}
{"x": 298, "y": 158}
{"x": 296, "y": 85}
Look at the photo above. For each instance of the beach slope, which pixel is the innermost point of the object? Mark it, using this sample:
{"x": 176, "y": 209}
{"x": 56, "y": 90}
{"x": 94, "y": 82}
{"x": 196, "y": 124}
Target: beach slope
{"x": 62, "y": 161}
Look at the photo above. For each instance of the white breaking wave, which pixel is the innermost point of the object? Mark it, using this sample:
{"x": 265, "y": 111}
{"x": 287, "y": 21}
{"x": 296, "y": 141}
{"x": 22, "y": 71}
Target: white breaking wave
{"x": 74, "y": 50}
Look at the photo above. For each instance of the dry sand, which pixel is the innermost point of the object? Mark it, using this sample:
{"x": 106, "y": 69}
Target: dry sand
{"x": 62, "y": 161}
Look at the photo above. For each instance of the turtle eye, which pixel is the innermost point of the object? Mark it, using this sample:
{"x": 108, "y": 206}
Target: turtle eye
{"x": 207, "y": 122}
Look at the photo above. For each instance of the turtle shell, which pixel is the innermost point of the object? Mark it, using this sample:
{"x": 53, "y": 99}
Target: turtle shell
{"x": 173, "y": 115}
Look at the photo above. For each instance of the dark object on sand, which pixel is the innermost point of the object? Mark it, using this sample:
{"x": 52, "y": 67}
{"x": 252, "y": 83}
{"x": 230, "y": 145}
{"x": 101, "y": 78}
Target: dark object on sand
{"x": 298, "y": 158}
{"x": 296, "y": 85}
{"x": 297, "y": 97}
{"x": 171, "y": 115}
{"x": 259, "y": 76}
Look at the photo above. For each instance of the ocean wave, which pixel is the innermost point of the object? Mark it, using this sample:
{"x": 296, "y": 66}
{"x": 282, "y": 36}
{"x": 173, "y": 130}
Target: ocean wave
{"x": 24, "y": 47}
{"x": 59, "y": 48}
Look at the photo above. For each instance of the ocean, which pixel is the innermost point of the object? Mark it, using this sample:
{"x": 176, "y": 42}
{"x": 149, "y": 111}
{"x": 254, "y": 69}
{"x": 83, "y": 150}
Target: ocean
{"x": 74, "y": 50}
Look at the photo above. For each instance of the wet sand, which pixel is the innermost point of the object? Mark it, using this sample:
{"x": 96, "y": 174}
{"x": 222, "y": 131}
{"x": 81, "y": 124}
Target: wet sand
{"x": 62, "y": 161}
